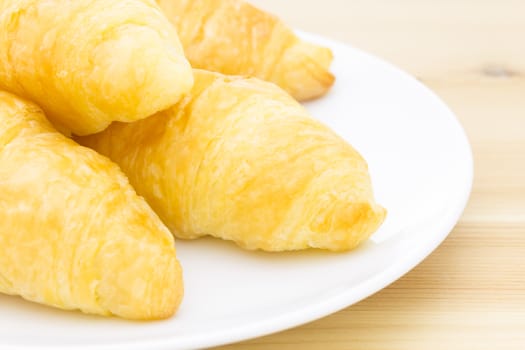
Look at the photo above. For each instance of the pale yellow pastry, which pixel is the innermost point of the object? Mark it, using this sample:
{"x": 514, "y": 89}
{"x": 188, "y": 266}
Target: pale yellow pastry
{"x": 90, "y": 62}
{"x": 241, "y": 160}
{"x": 73, "y": 232}
{"x": 234, "y": 37}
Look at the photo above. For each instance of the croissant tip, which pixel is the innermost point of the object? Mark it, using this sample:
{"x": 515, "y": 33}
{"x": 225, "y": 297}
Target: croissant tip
{"x": 347, "y": 226}
{"x": 307, "y": 74}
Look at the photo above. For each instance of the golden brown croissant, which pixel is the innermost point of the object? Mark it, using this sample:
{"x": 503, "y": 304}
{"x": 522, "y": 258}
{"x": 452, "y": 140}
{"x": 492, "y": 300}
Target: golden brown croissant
{"x": 90, "y": 62}
{"x": 241, "y": 160}
{"x": 73, "y": 233}
{"x": 233, "y": 37}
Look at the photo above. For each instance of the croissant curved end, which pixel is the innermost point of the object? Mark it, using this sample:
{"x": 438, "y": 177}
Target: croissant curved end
{"x": 304, "y": 71}
{"x": 150, "y": 288}
{"x": 346, "y": 226}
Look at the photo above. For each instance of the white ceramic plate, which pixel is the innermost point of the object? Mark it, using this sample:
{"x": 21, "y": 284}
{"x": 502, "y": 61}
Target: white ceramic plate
{"x": 421, "y": 167}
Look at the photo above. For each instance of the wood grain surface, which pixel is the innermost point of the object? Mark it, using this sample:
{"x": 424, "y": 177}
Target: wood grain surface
{"x": 470, "y": 293}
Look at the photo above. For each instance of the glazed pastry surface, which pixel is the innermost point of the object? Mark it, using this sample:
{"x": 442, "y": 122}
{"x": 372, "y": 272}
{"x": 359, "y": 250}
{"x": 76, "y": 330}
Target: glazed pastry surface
{"x": 73, "y": 232}
{"x": 90, "y": 62}
{"x": 236, "y": 38}
{"x": 241, "y": 160}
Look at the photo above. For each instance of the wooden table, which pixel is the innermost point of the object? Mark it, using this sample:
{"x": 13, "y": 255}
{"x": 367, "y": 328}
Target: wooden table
{"x": 470, "y": 293}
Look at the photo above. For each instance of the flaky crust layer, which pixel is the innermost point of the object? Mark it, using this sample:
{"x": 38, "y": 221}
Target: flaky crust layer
{"x": 90, "y": 62}
{"x": 239, "y": 159}
{"x": 73, "y": 233}
{"x": 236, "y": 38}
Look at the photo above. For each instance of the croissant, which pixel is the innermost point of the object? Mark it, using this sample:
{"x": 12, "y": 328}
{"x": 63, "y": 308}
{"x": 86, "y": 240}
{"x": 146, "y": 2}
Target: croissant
{"x": 73, "y": 233}
{"x": 233, "y": 37}
{"x": 241, "y": 160}
{"x": 90, "y": 62}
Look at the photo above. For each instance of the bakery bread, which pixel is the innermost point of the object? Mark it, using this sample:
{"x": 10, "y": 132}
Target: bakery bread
{"x": 236, "y": 38}
{"x": 90, "y": 62}
{"x": 73, "y": 232}
{"x": 241, "y": 160}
